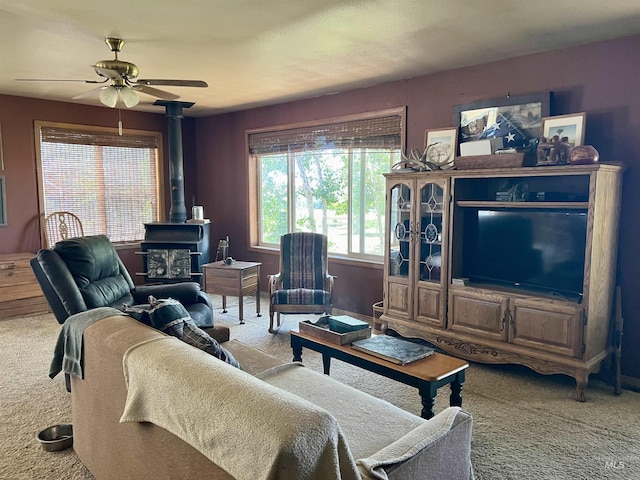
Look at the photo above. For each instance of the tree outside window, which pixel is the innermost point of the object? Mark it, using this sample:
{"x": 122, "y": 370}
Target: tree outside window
{"x": 327, "y": 179}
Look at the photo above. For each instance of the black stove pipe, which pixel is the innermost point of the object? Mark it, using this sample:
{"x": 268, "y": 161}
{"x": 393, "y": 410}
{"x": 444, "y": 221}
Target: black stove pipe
{"x": 178, "y": 211}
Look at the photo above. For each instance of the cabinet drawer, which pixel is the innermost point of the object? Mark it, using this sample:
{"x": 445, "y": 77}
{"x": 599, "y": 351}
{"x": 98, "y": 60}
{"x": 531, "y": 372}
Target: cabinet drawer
{"x": 221, "y": 273}
{"x": 545, "y": 325}
{"x": 20, "y": 293}
{"x": 222, "y": 282}
{"x": 12, "y": 274}
{"x": 15, "y": 272}
{"x": 222, "y": 285}
{"x": 398, "y": 301}
{"x": 477, "y": 313}
{"x": 250, "y": 282}
{"x": 24, "y": 306}
{"x": 429, "y": 306}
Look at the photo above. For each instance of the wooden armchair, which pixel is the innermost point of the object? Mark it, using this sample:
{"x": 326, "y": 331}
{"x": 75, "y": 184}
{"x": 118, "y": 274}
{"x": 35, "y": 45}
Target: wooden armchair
{"x": 303, "y": 284}
{"x": 61, "y": 226}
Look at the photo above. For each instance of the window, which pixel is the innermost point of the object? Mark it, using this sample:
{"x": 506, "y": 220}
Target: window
{"x": 326, "y": 178}
{"x": 110, "y": 181}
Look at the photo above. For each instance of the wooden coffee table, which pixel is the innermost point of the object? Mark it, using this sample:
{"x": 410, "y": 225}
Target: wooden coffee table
{"x": 427, "y": 375}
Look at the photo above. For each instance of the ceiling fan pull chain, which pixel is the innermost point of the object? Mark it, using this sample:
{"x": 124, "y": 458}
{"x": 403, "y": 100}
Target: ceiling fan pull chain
{"x": 119, "y": 120}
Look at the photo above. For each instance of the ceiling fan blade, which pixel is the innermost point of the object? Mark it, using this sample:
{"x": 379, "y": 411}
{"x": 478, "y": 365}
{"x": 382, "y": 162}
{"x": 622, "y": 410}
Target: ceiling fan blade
{"x": 173, "y": 83}
{"x": 89, "y": 93}
{"x": 58, "y": 80}
{"x": 155, "y": 92}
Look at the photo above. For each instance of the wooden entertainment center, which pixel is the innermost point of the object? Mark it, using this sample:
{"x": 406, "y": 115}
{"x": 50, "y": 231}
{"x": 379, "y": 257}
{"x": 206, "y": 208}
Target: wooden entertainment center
{"x": 506, "y": 265}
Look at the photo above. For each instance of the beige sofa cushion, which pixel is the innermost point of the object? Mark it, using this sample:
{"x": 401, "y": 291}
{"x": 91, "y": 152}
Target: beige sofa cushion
{"x": 353, "y": 409}
{"x": 253, "y": 361}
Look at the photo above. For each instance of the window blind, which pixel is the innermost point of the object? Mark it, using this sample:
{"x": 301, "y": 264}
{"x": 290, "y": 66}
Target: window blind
{"x": 111, "y": 182}
{"x": 379, "y": 132}
{"x": 70, "y": 136}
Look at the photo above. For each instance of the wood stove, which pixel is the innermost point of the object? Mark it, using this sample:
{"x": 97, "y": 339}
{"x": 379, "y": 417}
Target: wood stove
{"x": 174, "y": 252}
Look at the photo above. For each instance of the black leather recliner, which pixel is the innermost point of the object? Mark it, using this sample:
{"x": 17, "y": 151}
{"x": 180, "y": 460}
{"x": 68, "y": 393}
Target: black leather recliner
{"x": 82, "y": 273}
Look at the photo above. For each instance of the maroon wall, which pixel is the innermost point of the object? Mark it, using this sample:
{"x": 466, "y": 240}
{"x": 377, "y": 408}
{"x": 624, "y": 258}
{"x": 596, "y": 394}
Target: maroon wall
{"x": 600, "y": 79}
{"x": 17, "y": 117}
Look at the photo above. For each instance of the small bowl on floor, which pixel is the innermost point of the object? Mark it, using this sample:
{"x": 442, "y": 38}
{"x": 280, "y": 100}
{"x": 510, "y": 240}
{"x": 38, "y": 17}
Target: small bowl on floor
{"x": 57, "y": 437}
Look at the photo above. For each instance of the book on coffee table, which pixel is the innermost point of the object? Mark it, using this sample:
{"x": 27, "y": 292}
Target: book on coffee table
{"x": 393, "y": 349}
{"x": 345, "y": 323}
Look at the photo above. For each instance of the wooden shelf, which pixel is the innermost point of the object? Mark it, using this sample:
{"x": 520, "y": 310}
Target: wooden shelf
{"x": 495, "y": 204}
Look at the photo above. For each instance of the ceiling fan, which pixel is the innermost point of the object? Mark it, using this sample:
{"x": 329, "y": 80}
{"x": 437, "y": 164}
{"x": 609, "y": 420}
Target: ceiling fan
{"x": 123, "y": 83}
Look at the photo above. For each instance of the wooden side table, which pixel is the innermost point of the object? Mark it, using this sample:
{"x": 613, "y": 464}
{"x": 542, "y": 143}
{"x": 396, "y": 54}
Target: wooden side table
{"x": 238, "y": 279}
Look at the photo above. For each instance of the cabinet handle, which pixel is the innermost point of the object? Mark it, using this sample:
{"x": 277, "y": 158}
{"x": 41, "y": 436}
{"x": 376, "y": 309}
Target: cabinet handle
{"x": 512, "y": 323}
{"x": 417, "y": 232}
{"x": 507, "y": 318}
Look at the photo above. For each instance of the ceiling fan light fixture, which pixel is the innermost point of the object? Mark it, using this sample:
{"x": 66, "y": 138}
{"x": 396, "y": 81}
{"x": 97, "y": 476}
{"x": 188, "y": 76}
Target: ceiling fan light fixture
{"x": 109, "y": 96}
{"x": 129, "y": 97}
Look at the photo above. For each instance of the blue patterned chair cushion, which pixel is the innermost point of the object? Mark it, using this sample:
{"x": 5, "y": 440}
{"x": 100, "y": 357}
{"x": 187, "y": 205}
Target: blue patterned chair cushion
{"x": 301, "y": 296}
{"x": 303, "y": 261}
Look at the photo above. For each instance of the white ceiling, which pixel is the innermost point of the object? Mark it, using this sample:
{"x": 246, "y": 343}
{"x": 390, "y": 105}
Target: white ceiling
{"x": 261, "y": 52}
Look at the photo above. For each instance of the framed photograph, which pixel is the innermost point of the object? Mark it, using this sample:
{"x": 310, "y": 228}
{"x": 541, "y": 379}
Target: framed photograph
{"x": 441, "y": 145}
{"x": 559, "y": 134}
{"x": 3, "y": 203}
{"x": 515, "y": 119}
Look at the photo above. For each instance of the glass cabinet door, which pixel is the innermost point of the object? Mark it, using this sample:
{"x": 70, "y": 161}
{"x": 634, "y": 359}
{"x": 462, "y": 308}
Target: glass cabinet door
{"x": 431, "y": 232}
{"x": 400, "y": 225}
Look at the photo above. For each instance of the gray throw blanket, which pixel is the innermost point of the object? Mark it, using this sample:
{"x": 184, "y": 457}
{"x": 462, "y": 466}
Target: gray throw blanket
{"x": 252, "y": 430}
{"x": 67, "y": 355}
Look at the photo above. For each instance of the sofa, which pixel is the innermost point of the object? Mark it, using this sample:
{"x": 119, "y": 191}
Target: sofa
{"x": 148, "y": 406}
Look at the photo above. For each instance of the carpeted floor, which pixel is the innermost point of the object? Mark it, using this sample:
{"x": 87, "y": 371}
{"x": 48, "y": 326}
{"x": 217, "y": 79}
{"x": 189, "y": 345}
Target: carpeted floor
{"x": 526, "y": 426}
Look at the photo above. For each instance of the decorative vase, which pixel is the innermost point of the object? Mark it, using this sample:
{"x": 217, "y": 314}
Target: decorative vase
{"x": 583, "y": 154}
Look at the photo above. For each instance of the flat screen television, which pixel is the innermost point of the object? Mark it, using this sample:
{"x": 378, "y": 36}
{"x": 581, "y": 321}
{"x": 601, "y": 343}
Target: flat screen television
{"x": 537, "y": 250}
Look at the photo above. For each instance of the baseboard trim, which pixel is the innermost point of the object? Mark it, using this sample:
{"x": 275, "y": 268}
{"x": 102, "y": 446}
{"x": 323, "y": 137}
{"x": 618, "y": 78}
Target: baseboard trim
{"x": 630, "y": 383}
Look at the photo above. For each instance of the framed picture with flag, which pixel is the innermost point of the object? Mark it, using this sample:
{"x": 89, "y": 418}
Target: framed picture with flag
{"x": 515, "y": 119}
